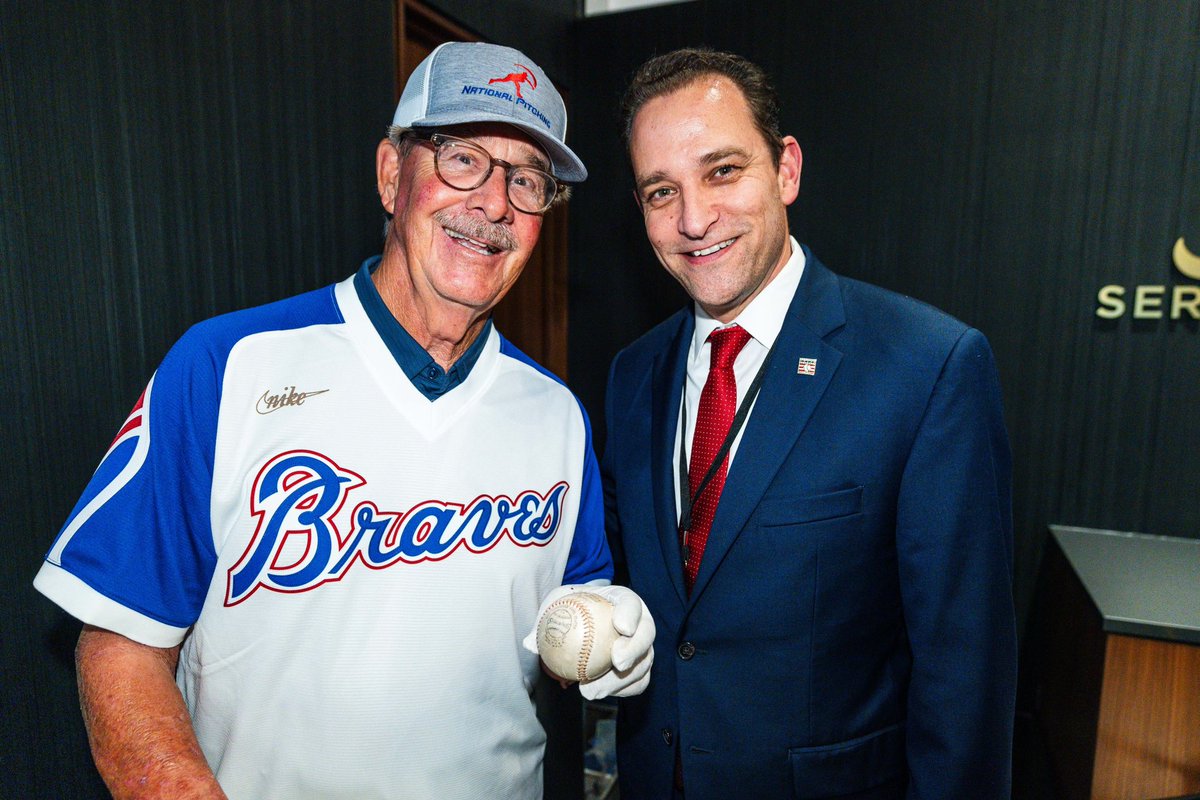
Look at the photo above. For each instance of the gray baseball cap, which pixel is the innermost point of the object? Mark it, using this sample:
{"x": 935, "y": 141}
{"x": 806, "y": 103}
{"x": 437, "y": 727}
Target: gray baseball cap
{"x": 461, "y": 82}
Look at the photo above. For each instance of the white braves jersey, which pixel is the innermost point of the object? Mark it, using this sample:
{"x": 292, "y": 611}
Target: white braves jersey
{"x": 350, "y": 566}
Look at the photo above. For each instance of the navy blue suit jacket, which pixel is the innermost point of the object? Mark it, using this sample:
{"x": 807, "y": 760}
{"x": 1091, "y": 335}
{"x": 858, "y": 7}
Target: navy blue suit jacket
{"x": 851, "y": 630}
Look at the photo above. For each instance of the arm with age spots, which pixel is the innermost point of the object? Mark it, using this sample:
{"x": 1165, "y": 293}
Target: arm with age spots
{"x": 138, "y": 726}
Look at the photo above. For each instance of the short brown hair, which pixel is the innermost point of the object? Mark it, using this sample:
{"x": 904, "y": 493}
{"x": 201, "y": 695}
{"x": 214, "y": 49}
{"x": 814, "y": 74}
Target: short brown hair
{"x": 669, "y": 72}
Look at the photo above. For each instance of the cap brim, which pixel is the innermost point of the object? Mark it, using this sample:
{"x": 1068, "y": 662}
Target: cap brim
{"x": 564, "y": 164}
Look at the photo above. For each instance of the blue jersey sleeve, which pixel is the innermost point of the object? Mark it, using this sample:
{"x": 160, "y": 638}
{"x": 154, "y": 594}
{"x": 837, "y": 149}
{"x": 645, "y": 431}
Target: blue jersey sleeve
{"x": 136, "y": 554}
{"x": 590, "y": 558}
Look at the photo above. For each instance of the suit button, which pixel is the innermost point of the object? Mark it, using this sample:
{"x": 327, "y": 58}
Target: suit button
{"x": 666, "y": 732}
{"x": 686, "y": 651}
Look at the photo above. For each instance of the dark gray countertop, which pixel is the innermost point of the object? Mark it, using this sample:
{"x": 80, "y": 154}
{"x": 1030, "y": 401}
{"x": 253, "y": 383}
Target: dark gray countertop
{"x": 1143, "y": 585}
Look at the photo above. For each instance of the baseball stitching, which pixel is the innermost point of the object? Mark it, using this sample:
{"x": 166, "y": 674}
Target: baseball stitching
{"x": 589, "y": 630}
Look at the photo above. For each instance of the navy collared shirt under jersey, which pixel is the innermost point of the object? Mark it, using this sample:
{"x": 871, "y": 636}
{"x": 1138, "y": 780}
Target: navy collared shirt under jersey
{"x": 425, "y": 373}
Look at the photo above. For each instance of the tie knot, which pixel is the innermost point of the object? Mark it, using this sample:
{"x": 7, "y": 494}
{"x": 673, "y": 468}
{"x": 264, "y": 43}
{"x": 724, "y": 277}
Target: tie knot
{"x": 726, "y": 344}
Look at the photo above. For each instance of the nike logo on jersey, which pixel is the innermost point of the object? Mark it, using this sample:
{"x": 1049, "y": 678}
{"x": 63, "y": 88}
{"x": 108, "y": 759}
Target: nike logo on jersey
{"x": 298, "y": 542}
{"x": 269, "y": 403}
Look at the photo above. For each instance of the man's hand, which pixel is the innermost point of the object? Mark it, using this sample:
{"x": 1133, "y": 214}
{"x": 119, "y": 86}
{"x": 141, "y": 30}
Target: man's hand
{"x": 632, "y": 653}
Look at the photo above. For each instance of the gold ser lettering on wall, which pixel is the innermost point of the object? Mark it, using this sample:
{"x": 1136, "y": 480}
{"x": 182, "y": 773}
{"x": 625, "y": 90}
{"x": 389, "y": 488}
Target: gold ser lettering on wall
{"x": 1152, "y": 301}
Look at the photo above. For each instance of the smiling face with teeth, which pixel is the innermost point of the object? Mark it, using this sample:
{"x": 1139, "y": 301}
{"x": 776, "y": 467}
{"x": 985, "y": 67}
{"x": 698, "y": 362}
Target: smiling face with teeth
{"x": 451, "y": 255}
{"x": 713, "y": 199}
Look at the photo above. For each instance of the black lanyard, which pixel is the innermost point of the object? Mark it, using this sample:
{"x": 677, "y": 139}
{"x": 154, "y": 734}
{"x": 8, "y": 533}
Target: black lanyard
{"x": 688, "y": 501}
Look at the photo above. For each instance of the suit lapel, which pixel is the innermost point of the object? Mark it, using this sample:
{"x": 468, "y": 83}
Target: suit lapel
{"x": 785, "y": 403}
{"x": 667, "y": 387}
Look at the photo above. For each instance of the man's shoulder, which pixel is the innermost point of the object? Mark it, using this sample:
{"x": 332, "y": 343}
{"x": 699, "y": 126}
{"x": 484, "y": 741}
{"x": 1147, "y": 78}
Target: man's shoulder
{"x": 876, "y": 311}
{"x": 534, "y": 370}
{"x": 207, "y": 345}
{"x": 653, "y": 342}
{"x": 221, "y": 332}
{"x": 879, "y": 304}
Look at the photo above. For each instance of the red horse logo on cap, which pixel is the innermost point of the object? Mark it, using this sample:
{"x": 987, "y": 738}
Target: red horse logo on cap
{"x": 517, "y": 78}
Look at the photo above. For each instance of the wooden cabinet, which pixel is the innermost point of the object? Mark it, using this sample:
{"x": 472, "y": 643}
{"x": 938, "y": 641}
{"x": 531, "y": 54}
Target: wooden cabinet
{"x": 1114, "y": 650}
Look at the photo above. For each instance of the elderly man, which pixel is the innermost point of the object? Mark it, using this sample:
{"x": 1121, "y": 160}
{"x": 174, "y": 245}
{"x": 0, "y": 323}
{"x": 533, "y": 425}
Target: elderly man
{"x": 307, "y": 564}
{"x": 810, "y": 486}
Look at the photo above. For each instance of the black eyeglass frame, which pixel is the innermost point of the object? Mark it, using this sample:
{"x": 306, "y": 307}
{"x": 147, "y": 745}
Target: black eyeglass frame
{"x": 554, "y": 186}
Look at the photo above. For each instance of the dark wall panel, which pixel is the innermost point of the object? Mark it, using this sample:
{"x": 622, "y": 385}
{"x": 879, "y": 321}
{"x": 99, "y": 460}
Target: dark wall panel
{"x": 1000, "y": 160}
{"x": 159, "y": 163}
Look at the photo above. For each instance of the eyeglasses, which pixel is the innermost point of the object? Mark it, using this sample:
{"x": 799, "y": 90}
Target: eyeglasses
{"x": 464, "y": 166}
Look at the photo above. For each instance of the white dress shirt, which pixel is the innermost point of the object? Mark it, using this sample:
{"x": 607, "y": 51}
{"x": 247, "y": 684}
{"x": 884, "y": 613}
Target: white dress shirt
{"x": 762, "y": 319}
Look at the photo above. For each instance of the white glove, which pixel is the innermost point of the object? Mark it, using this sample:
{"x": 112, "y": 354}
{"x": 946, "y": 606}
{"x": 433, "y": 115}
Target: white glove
{"x": 632, "y": 653}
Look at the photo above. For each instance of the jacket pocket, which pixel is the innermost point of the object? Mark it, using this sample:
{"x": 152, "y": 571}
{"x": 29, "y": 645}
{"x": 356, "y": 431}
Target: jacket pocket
{"x": 849, "y": 767}
{"x": 798, "y": 510}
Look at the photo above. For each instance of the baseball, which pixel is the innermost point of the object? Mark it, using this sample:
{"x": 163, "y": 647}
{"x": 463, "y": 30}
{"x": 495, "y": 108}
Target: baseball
{"x": 575, "y": 636}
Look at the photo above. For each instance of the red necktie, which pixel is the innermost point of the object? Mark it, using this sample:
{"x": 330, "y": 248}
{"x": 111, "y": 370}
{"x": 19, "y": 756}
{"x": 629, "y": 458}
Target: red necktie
{"x": 718, "y": 402}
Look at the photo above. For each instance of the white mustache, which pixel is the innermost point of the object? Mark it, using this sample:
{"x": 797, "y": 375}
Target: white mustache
{"x": 497, "y": 236}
